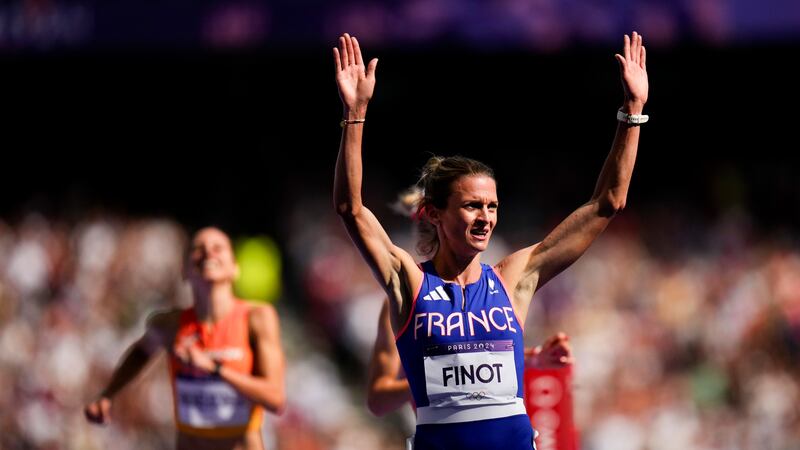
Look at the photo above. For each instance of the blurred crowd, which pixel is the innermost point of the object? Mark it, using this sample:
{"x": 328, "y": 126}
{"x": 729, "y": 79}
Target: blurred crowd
{"x": 683, "y": 337}
{"x": 543, "y": 25}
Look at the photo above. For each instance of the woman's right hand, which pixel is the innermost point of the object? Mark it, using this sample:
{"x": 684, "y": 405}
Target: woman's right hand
{"x": 355, "y": 81}
{"x": 99, "y": 411}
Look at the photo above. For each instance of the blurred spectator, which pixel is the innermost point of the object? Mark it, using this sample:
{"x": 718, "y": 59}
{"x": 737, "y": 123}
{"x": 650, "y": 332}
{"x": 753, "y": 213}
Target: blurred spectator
{"x": 709, "y": 359}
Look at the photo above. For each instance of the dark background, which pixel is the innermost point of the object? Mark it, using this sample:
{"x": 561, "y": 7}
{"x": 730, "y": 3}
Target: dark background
{"x": 140, "y": 109}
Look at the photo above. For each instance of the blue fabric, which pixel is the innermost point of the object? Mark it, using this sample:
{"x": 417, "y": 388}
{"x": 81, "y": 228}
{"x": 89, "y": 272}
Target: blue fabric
{"x": 508, "y": 433}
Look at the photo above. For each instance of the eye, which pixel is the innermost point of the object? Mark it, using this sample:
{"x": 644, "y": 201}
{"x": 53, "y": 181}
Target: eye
{"x": 473, "y": 205}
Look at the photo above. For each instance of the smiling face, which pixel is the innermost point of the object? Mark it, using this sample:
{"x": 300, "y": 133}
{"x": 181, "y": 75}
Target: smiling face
{"x": 466, "y": 224}
{"x": 211, "y": 259}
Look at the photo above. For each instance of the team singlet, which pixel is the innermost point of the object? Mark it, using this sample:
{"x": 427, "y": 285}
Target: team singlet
{"x": 206, "y": 405}
{"x": 463, "y": 352}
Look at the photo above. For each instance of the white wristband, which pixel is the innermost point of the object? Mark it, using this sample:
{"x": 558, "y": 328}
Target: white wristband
{"x": 633, "y": 119}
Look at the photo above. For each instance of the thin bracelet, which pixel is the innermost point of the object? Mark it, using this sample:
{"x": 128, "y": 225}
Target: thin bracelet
{"x": 349, "y": 121}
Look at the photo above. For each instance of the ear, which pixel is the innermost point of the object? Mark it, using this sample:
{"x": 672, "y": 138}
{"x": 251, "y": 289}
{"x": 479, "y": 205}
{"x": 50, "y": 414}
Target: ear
{"x": 433, "y": 215}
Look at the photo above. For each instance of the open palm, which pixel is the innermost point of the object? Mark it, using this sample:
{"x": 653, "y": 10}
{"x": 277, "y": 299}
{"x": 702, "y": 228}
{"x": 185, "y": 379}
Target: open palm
{"x": 633, "y": 69}
{"x": 356, "y": 82}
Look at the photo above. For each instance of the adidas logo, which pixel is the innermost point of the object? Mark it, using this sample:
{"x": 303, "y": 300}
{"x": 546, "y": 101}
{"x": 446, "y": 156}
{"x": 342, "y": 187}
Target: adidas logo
{"x": 492, "y": 290}
{"x": 437, "y": 294}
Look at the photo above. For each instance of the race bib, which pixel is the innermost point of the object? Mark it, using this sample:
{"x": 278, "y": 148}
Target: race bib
{"x": 205, "y": 403}
{"x": 471, "y": 373}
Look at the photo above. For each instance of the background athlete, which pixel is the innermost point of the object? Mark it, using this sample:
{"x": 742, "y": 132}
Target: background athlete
{"x": 226, "y": 360}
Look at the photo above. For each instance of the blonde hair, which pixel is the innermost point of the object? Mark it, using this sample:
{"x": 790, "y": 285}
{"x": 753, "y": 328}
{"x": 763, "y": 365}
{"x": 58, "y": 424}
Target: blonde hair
{"x": 432, "y": 190}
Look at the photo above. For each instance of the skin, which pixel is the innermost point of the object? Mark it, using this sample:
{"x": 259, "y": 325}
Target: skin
{"x": 388, "y": 390}
{"x": 472, "y": 205}
{"x": 210, "y": 270}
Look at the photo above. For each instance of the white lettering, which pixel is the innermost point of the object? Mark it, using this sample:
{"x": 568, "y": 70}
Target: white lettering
{"x": 453, "y": 324}
{"x": 510, "y": 319}
{"x": 458, "y": 323}
{"x": 472, "y": 317}
{"x": 546, "y": 422}
{"x": 491, "y": 318}
{"x": 418, "y": 325}
{"x": 439, "y": 323}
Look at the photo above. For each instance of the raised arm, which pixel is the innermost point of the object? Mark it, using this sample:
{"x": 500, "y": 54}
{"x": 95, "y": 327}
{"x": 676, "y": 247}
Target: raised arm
{"x": 387, "y": 387}
{"x": 391, "y": 265}
{"x": 529, "y": 269}
{"x": 133, "y": 361}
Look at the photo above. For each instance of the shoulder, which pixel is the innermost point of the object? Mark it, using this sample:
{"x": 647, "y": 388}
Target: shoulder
{"x": 261, "y": 317}
{"x": 518, "y": 266}
{"x": 162, "y": 326}
{"x": 165, "y": 319}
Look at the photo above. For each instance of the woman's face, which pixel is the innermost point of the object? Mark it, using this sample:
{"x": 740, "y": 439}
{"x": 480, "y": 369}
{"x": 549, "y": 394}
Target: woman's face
{"x": 211, "y": 258}
{"x": 471, "y": 214}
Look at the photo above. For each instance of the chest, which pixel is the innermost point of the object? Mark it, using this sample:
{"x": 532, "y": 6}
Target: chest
{"x": 448, "y": 312}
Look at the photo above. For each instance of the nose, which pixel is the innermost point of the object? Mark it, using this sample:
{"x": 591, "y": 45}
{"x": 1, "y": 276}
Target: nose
{"x": 203, "y": 251}
{"x": 484, "y": 214}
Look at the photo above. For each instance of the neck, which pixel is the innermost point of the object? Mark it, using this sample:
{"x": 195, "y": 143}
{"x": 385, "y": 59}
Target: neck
{"x": 460, "y": 269}
{"x": 213, "y": 302}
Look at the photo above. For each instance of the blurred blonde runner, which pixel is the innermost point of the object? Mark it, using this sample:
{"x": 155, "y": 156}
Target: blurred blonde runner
{"x": 225, "y": 356}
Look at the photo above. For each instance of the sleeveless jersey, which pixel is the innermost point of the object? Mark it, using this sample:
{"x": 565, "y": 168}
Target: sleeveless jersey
{"x": 463, "y": 351}
{"x": 206, "y": 405}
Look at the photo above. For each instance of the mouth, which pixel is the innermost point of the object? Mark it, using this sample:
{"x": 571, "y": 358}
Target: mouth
{"x": 480, "y": 234}
{"x": 208, "y": 264}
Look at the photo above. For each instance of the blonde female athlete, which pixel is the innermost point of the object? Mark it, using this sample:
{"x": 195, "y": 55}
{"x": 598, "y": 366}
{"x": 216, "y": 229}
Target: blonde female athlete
{"x": 225, "y": 357}
{"x": 457, "y": 321}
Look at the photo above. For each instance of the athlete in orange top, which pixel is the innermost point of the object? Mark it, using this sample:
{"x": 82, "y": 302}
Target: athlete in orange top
{"x": 226, "y": 361}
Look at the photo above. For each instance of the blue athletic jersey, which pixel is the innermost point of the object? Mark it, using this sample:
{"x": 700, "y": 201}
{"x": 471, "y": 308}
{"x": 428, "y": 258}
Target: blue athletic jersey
{"x": 463, "y": 351}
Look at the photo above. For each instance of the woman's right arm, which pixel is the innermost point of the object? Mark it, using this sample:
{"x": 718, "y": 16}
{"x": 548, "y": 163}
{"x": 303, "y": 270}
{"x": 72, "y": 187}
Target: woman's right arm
{"x": 387, "y": 386}
{"x": 393, "y": 267}
{"x": 134, "y": 360}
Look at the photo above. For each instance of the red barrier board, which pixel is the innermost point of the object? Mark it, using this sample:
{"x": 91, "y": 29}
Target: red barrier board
{"x": 548, "y": 399}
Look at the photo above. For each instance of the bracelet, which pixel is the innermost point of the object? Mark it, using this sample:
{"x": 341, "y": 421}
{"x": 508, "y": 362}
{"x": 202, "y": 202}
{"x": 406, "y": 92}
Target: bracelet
{"x": 345, "y": 122}
{"x": 633, "y": 119}
{"x": 217, "y": 368}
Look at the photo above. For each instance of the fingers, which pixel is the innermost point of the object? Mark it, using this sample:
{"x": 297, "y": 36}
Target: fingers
{"x": 643, "y": 58}
{"x": 337, "y": 59}
{"x": 626, "y": 48}
{"x": 351, "y": 52}
{"x": 98, "y": 411}
{"x": 530, "y": 352}
{"x": 621, "y": 60}
{"x": 343, "y": 50}
{"x": 373, "y": 64}
{"x": 105, "y": 409}
{"x": 356, "y": 50}
{"x": 91, "y": 413}
{"x": 182, "y": 353}
{"x": 636, "y": 44}
{"x": 556, "y": 339}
